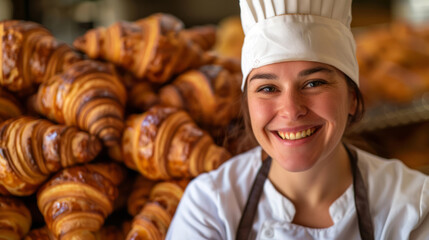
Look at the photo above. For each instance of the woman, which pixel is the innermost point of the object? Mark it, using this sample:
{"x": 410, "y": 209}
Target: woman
{"x": 300, "y": 92}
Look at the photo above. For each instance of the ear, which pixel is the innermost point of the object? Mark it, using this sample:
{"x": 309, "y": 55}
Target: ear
{"x": 352, "y": 101}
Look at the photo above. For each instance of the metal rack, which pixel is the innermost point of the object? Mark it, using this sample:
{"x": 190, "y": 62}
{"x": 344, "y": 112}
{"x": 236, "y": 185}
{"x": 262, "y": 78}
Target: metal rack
{"x": 391, "y": 115}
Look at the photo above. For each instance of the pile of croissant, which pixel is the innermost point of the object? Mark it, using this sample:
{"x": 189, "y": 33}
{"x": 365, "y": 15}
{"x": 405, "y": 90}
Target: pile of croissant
{"x": 393, "y": 62}
{"x": 99, "y": 139}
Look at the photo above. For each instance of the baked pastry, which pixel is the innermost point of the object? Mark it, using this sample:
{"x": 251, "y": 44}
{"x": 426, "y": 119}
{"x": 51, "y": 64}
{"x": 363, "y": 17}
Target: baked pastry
{"x": 32, "y": 149}
{"x": 154, "y": 219}
{"x": 219, "y": 88}
{"x": 142, "y": 96}
{"x": 15, "y": 218}
{"x": 42, "y": 233}
{"x": 9, "y": 106}
{"x": 30, "y": 55}
{"x": 76, "y": 201}
{"x": 105, "y": 233}
{"x": 88, "y": 95}
{"x": 165, "y": 143}
{"x": 229, "y": 37}
{"x": 392, "y": 63}
{"x": 152, "y": 48}
{"x": 139, "y": 194}
{"x": 204, "y": 36}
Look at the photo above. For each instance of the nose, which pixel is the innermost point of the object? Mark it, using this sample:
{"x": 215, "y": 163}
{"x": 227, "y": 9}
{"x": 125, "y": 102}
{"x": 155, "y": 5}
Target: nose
{"x": 292, "y": 105}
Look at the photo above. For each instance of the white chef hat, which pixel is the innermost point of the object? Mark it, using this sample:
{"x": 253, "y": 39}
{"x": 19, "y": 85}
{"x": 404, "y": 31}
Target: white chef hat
{"x": 298, "y": 30}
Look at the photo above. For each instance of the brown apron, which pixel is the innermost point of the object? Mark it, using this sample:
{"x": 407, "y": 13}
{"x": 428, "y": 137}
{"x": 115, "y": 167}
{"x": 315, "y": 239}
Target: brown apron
{"x": 361, "y": 200}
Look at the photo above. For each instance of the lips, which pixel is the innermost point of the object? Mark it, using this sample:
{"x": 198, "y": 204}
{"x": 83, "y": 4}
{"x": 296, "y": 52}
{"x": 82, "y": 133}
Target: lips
{"x": 295, "y": 135}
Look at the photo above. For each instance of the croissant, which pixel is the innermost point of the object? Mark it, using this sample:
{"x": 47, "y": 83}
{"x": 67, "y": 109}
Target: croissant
{"x": 139, "y": 194}
{"x": 165, "y": 143}
{"x": 105, "y": 233}
{"x": 15, "y": 218}
{"x": 31, "y": 149}
{"x": 42, "y": 233}
{"x": 154, "y": 219}
{"x": 142, "y": 96}
{"x": 30, "y": 55}
{"x": 9, "y": 106}
{"x": 152, "y": 48}
{"x": 76, "y": 201}
{"x": 229, "y": 37}
{"x": 219, "y": 88}
{"x": 203, "y": 36}
{"x": 88, "y": 95}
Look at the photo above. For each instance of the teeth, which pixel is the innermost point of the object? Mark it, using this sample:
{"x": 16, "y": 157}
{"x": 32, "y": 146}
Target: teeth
{"x": 297, "y": 135}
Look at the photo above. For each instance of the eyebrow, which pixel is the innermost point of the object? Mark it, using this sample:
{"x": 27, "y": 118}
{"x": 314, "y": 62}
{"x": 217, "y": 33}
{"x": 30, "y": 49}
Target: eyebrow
{"x": 314, "y": 70}
{"x": 267, "y": 76}
{"x": 306, "y": 72}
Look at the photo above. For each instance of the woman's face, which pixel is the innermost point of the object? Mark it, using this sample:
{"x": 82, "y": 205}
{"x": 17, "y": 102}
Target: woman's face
{"x": 298, "y": 111}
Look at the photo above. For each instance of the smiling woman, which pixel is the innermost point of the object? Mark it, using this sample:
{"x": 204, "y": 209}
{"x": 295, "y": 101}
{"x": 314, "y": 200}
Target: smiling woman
{"x": 300, "y": 94}
{"x": 296, "y": 98}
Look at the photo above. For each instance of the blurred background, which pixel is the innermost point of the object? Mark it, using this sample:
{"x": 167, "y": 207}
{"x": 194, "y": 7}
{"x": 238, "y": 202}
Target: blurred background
{"x": 68, "y": 19}
{"x": 392, "y": 48}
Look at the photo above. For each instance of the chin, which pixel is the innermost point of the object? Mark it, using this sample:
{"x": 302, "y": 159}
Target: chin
{"x": 297, "y": 167}
{"x": 298, "y": 161}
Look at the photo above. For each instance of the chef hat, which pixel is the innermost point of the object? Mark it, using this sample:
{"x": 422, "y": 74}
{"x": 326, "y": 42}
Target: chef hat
{"x": 298, "y": 30}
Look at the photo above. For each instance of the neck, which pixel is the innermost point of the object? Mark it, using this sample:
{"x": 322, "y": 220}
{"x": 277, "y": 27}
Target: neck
{"x": 319, "y": 186}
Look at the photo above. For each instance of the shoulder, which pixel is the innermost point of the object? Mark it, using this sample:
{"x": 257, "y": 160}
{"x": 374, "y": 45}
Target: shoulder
{"x": 392, "y": 172}
{"x": 398, "y": 195}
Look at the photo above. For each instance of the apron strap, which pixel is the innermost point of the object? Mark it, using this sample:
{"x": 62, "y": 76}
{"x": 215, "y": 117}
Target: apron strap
{"x": 366, "y": 228}
{"x": 246, "y": 221}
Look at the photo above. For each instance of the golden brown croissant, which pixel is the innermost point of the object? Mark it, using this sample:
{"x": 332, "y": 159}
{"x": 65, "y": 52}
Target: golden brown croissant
{"x": 9, "y": 106}
{"x": 219, "y": 88}
{"x": 15, "y": 218}
{"x": 105, "y": 233}
{"x": 165, "y": 143}
{"x": 76, "y": 201}
{"x": 42, "y": 233}
{"x": 153, "y": 48}
{"x": 30, "y": 55}
{"x": 32, "y": 149}
{"x": 154, "y": 219}
{"x": 139, "y": 194}
{"x": 204, "y": 36}
{"x": 142, "y": 96}
{"x": 88, "y": 95}
{"x": 229, "y": 37}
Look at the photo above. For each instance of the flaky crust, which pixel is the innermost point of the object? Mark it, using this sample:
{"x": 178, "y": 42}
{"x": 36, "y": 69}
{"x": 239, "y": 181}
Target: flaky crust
{"x": 165, "y": 143}
{"x": 77, "y": 200}
{"x": 152, "y": 48}
{"x": 31, "y": 149}
{"x": 210, "y": 94}
{"x": 9, "y": 106}
{"x": 15, "y": 218}
{"x": 88, "y": 95}
{"x": 154, "y": 219}
{"x": 30, "y": 55}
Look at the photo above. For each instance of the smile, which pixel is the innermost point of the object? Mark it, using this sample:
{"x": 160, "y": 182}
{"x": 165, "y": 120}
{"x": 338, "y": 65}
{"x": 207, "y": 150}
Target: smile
{"x": 296, "y": 135}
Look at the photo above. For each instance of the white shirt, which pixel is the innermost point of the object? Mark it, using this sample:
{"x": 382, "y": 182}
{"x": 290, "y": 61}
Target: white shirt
{"x": 212, "y": 205}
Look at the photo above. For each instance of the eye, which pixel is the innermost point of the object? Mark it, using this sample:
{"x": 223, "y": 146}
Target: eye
{"x": 266, "y": 89}
{"x": 315, "y": 83}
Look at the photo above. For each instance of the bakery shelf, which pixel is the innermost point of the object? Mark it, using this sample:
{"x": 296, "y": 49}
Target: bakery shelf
{"x": 392, "y": 115}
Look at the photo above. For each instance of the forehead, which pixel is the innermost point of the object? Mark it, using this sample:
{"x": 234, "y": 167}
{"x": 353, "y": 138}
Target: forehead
{"x": 292, "y": 67}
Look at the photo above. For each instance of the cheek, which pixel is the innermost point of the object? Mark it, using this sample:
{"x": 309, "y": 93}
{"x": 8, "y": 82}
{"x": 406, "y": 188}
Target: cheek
{"x": 334, "y": 107}
{"x": 259, "y": 112}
